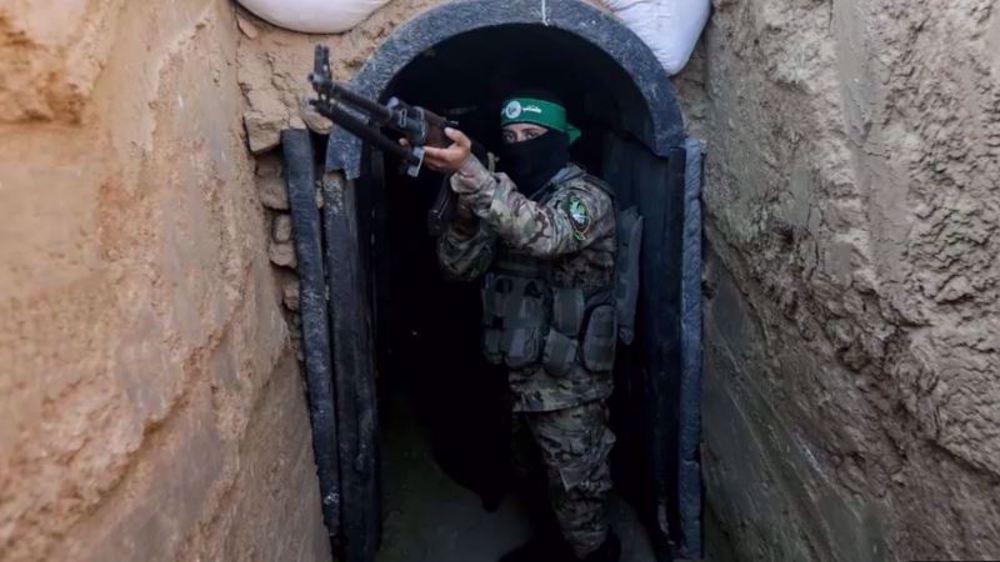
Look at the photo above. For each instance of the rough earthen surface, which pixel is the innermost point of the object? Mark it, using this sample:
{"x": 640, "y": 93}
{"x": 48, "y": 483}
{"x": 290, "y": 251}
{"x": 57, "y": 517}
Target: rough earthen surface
{"x": 853, "y": 196}
{"x": 274, "y": 63}
{"x": 152, "y": 408}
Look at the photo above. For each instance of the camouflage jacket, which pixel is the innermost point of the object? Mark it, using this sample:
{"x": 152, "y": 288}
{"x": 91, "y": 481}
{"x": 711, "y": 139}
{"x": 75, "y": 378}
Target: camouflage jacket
{"x": 570, "y": 225}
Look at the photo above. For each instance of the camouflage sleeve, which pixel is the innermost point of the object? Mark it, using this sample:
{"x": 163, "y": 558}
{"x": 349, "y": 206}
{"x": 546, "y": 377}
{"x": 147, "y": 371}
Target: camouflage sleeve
{"x": 584, "y": 215}
{"x": 465, "y": 250}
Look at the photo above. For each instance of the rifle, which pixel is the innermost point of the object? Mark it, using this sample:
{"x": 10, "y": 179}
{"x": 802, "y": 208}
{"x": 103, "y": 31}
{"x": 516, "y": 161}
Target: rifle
{"x": 419, "y": 126}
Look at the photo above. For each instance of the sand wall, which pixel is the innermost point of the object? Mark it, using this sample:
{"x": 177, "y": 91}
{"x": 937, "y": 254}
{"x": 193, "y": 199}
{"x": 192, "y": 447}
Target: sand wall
{"x": 152, "y": 408}
{"x": 853, "y": 196}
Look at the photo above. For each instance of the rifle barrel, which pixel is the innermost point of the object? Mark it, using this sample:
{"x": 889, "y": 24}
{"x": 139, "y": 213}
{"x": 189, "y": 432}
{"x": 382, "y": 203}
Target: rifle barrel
{"x": 362, "y": 130}
{"x": 377, "y": 111}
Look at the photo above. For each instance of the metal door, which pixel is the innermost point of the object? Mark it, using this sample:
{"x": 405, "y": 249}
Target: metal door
{"x": 656, "y": 407}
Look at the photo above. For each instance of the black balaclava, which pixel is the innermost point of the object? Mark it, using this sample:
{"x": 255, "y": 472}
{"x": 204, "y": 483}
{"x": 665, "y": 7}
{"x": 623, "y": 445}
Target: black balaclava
{"x": 532, "y": 163}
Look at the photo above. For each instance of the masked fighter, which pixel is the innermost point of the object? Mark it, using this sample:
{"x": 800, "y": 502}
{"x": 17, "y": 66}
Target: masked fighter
{"x": 542, "y": 237}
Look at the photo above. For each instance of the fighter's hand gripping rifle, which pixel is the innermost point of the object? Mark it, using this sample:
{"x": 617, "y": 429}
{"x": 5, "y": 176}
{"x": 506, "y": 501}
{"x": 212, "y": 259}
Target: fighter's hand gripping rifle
{"x": 417, "y": 125}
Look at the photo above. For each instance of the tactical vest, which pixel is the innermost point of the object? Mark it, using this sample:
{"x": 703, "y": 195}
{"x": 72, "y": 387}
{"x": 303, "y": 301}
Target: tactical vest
{"x": 527, "y": 320}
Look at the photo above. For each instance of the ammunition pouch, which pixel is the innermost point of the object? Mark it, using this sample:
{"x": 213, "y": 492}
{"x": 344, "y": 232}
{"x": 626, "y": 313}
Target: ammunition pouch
{"x": 569, "y": 307}
{"x": 598, "y": 349}
{"x": 560, "y": 353}
{"x": 562, "y": 345}
{"x": 526, "y": 321}
{"x": 627, "y": 262}
{"x": 515, "y": 318}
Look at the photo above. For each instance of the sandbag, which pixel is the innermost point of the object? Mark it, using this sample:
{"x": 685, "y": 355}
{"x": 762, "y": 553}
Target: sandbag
{"x": 670, "y": 27}
{"x": 314, "y": 16}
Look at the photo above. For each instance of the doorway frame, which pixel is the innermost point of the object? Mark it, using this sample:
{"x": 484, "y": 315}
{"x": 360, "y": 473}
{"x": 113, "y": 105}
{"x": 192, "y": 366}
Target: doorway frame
{"x": 662, "y": 131}
{"x": 658, "y": 126}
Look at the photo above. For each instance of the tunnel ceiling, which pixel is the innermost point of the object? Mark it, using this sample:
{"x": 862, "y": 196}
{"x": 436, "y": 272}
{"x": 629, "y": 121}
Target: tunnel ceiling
{"x": 588, "y": 46}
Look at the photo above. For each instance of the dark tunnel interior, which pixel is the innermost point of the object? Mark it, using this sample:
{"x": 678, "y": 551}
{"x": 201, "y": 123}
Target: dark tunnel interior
{"x": 427, "y": 329}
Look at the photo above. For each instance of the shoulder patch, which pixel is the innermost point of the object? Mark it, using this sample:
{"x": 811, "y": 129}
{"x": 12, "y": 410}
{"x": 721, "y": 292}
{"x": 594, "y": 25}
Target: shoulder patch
{"x": 579, "y": 215}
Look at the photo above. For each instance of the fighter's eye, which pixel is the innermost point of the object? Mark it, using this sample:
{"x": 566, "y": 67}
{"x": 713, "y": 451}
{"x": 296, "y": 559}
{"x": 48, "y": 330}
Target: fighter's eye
{"x": 509, "y": 137}
{"x": 531, "y": 134}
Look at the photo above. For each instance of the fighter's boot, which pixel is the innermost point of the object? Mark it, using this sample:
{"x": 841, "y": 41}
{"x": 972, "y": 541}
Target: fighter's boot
{"x": 544, "y": 547}
{"x": 610, "y": 551}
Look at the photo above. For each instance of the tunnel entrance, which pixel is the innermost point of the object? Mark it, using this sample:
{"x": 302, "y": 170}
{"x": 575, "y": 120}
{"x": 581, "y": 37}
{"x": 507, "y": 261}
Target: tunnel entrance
{"x": 391, "y": 313}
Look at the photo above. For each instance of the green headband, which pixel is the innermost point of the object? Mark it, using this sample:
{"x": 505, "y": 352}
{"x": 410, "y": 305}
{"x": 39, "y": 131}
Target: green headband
{"x": 539, "y": 112}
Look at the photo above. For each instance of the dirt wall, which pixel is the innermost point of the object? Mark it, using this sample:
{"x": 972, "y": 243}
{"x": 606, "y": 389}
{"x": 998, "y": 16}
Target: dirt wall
{"x": 853, "y": 197}
{"x": 274, "y": 63}
{"x": 150, "y": 404}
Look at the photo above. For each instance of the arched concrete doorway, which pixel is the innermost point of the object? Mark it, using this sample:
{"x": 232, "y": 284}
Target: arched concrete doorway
{"x": 457, "y": 59}
{"x": 641, "y": 85}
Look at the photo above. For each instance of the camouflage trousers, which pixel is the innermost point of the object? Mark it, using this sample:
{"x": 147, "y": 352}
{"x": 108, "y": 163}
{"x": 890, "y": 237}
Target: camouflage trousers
{"x": 573, "y": 446}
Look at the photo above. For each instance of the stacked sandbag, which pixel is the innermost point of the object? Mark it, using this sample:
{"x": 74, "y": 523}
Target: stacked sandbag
{"x": 670, "y": 27}
{"x": 314, "y": 16}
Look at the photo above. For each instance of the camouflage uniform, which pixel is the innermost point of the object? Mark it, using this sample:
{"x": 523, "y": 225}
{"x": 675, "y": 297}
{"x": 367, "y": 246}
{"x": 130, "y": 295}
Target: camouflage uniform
{"x": 570, "y": 225}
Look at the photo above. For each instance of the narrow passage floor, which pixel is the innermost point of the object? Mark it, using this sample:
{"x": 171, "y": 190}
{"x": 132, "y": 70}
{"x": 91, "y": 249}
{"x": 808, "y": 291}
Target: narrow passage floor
{"x": 430, "y": 518}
